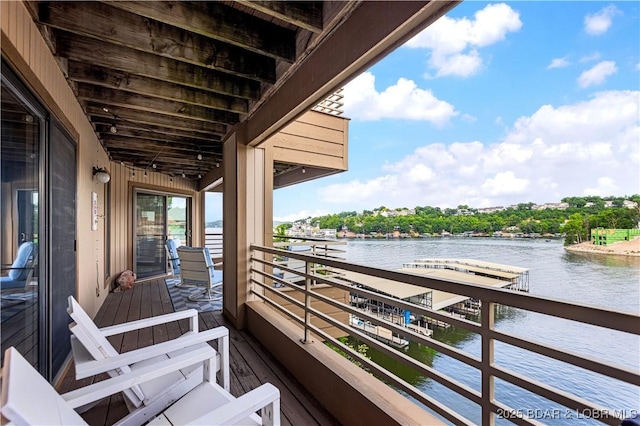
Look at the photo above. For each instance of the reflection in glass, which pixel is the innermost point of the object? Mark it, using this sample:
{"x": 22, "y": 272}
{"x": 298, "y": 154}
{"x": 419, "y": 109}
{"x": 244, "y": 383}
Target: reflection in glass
{"x": 19, "y": 207}
{"x": 150, "y": 235}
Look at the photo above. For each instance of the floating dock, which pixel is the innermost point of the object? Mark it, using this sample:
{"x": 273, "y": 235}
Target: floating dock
{"x": 380, "y": 333}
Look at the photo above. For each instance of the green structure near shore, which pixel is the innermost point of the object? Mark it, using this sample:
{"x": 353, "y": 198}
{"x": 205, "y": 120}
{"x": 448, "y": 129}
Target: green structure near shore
{"x": 603, "y": 237}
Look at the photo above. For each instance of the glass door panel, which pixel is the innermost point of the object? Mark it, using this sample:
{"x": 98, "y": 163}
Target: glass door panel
{"x": 178, "y": 214}
{"x": 22, "y": 131}
{"x": 150, "y": 234}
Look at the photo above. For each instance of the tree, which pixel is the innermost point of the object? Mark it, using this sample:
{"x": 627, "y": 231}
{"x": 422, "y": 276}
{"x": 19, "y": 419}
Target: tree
{"x": 575, "y": 229}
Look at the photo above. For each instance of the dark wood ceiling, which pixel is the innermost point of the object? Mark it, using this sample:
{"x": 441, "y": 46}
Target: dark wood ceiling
{"x": 163, "y": 82}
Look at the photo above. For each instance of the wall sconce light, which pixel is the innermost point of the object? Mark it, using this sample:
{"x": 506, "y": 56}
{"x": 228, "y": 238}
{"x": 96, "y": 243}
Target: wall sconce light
{"x": 101, "y": 174}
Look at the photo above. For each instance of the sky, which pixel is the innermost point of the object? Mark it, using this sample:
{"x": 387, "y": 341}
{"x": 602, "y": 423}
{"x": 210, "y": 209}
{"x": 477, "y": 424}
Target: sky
{"x": 494, "y": 104}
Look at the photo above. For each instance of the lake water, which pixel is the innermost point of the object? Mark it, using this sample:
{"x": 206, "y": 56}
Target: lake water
{"x": 608, "y": 281}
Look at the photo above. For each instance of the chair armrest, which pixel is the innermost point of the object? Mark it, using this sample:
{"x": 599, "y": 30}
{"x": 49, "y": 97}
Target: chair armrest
{"x": 91, "y": 368}
{"x": 96, "y": 391}
{"x": 191, "y": 314}
{"x": 234, "y": 411}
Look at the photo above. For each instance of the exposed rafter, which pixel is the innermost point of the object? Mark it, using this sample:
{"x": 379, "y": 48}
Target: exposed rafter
{"x": 175, "y": 77}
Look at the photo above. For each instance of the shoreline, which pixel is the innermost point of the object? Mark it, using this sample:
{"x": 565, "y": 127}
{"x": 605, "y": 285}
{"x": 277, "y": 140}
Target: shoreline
{"x": 623, "y": 248}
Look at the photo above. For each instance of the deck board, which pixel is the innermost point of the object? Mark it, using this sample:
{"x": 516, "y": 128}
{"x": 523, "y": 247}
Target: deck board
{"x": 251, "y": 365}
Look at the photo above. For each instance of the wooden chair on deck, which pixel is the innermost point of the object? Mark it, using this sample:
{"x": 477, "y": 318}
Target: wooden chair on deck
{"x": 92, "y": 351}
{"x": 207, "y": 403}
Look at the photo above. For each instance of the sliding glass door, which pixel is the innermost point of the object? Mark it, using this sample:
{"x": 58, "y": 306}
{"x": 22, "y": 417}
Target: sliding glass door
{"x": 158, "y": 216}
{"x": 37, "y": 228}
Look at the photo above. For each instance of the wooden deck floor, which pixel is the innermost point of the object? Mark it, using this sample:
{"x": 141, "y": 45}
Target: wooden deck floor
{"x": 251, "y": 364}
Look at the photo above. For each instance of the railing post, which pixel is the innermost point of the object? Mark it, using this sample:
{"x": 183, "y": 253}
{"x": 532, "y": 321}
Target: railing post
{"x": 487, "y": 319}
{"x": 307, "y": 302}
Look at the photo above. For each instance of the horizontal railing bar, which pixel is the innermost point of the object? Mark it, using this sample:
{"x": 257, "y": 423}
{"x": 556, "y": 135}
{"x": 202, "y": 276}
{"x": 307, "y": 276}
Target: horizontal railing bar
{"x": 427, "y": 371}
{"x": 458, "y": 322}
{"x": 438, "y": 407}
{"x": 619, "y": 372}
{"x": 434, "y": 344}
{"x": 283, "y": 295}
{"x": 276, "y": 278}
{"x": 561, "y": 397}
{"x": 315, "y": 239}
{"x": 452, "y": 384}
{"x": 603, "y": 317}
{"x": 282, "y": 309}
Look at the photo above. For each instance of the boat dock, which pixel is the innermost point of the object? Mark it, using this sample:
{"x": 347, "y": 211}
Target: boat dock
{"x": 380, "y": 333}
{"x": 461, "y": 270}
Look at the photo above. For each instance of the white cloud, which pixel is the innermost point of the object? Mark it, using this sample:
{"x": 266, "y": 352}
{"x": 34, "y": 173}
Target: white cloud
{"x": 597, "y": 74}
{"x": 504, "y": 183}
{"x": 604, "y": 187}
{"x": 303, "y": 214}
{"x": 638, "y": 66}
{"x": 590, "y": 147}
{"x": 558, "y": 63}
{"x": 404, "y": 100}
{"x": 599, "y": 22}
{"x": 454, "y": 43}
{"x": 590, "y": 58}
{"x": 469, "y": 118}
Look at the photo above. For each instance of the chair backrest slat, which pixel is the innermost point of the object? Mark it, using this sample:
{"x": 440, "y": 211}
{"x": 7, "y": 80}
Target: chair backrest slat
{"x": 28, "y": 399}
{"x": 196, "y": 264}
{"x": 87, "y": 333}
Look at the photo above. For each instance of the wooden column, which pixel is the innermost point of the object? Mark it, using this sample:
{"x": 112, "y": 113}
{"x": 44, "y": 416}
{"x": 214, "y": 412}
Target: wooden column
{"x": 247, "y": 217}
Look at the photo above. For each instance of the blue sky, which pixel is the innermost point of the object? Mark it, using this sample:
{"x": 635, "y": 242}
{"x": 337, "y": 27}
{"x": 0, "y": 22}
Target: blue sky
{"x": 494, "y": 104}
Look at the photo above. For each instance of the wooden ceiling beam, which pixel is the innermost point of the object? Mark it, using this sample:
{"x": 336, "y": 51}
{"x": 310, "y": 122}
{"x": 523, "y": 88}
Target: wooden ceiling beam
{"x": 303, "y": 14}
{"x": 162, "y": 131}
{"x": 88, "y": 50}
{"x": 164, "y": 164}
{"x": 183, "y": 149}
{"x": 112, "y": 97}
{"x": 179, "y": 141}
{"x": 215, "y": 20}
{"x": 369, "y": 33}
{"x": 117, "y": 26}
{"x": 114, "y": 79}
{"x": 149, "y": 119}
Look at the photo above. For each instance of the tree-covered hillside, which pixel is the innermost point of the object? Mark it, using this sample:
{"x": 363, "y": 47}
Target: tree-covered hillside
{"x": 576, "y": 220}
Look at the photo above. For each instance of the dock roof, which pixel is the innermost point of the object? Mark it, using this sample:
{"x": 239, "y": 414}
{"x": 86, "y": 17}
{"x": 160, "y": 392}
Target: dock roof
{"x": 439, "y": 299}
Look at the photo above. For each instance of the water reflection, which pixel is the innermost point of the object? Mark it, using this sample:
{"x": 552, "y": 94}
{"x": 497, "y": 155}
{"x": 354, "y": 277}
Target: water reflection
{"x": 594, "y": 279}
{"x": 615, "y": 261}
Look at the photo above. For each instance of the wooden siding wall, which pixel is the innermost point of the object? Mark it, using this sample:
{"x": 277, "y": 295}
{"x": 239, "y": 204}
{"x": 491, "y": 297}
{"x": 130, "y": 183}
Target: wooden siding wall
{"x": 25, "y": 49}
{"x": 314, "y": 139}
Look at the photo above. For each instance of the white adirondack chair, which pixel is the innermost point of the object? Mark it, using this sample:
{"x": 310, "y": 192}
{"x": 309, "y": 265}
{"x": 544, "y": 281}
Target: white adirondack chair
{"x": 92, "y": 352}
{"x": 28, "y": 399}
